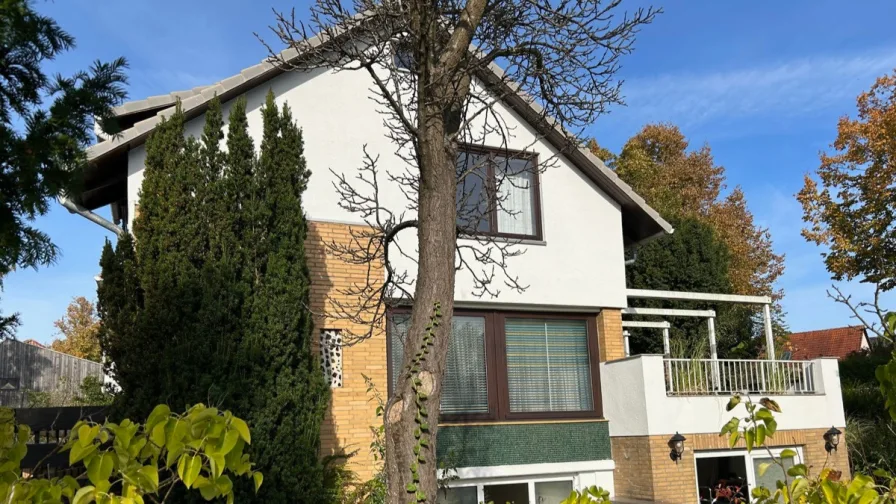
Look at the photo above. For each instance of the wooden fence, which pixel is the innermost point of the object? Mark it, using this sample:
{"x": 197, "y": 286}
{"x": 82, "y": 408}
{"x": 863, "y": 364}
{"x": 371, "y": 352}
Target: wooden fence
{"x": 25, "y": 368}
{"x": 50, "y": 428}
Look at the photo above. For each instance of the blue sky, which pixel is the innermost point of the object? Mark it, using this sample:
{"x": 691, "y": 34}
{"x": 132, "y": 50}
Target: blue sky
{"x": 763, "y": 83}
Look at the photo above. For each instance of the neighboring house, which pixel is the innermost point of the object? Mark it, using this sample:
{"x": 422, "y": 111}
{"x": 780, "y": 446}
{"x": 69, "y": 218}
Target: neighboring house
{"x": 26, "y": 368}
{"x": 520, "y": 425}
{"x": 36, "y": 343}
{"x": 838, "y": 342}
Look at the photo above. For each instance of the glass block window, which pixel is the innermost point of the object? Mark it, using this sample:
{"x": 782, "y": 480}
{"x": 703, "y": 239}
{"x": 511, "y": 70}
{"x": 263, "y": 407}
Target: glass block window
{"x": 331, "y": 356}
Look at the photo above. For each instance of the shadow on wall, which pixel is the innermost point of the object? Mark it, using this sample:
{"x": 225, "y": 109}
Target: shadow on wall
{"x": 26, "y": 368}
{"x": 346, "y": 434}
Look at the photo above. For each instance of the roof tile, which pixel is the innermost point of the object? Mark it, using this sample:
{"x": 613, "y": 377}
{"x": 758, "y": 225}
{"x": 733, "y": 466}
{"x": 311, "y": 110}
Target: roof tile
{"x": 837, "y": 342}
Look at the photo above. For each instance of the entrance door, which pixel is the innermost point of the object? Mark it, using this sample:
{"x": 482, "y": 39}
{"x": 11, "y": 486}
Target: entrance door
{"x": 722, "y": 479}
{"x": 728, "y": 476}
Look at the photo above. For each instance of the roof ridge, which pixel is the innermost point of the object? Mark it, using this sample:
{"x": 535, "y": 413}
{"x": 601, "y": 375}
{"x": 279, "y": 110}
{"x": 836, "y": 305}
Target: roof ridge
{"x": 266, "y": 69}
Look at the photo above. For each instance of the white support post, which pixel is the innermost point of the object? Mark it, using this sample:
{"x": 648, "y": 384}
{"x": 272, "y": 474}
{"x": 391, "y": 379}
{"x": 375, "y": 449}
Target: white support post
{"x": 713, "y": 352}
{"x": 628, "y": 351}
{"x": 769, "y": 337}
{"x": 666, "y": 347}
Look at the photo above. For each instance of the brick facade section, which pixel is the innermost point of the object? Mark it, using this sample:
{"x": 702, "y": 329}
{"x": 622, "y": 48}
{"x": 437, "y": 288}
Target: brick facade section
{"x": 645, "y": 471}
{"x": 351, "y": 413}
{"x": 609, "y": 334}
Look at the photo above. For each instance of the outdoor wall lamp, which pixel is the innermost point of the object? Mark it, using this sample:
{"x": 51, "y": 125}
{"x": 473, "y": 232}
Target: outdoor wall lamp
{"x": 832, "y": 439}
{"x": 676, "y": 447}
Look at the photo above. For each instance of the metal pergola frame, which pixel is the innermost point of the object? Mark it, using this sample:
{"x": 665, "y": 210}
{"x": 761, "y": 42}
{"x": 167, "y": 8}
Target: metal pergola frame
{"x": 665, "y": 326}
{"x": 764, "y": 301}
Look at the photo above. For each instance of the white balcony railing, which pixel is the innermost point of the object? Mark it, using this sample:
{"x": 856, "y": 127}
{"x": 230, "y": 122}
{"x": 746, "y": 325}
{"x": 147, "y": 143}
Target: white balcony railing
{"x": 730, "y": 376}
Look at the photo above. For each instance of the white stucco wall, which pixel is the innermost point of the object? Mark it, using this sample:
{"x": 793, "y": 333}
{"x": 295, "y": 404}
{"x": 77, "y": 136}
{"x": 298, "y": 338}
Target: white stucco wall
{"x": 578, "y": 265}
{"x": 635, "y": 401}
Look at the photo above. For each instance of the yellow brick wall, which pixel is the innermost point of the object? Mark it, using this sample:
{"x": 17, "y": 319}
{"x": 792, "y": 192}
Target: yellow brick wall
{"x": 632, "y": 477}
{"x": 351, "y": 414}
{"x": 609, "y": 334}
{"x": 643, "y": 460}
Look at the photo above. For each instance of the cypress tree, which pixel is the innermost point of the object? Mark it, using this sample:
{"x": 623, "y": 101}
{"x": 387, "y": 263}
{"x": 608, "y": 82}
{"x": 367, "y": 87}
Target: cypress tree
{"x": 211, "y": 303}
{"x": 118, "y": 301}
{"x": 290, "y": 393}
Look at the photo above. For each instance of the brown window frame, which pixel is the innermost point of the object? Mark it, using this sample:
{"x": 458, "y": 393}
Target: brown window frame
{"x": 492, "y": 189}
{"x": 496, "y": 366}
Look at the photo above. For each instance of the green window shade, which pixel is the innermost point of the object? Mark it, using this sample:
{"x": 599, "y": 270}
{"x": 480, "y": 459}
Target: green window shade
{"x": 548, "y": 367}
{"x": 464, "y": 386}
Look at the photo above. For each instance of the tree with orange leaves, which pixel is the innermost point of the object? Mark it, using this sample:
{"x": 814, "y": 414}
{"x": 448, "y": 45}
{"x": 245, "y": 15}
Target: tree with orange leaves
{"x": 80, "y": 329}
{"x": 682, "y": 183}
{"x": 851, "y": 208}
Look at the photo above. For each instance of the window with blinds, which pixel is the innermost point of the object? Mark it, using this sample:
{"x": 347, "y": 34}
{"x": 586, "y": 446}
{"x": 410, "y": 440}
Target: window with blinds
{"x": 464, "y": 386}
{"x": 548, "y": 365}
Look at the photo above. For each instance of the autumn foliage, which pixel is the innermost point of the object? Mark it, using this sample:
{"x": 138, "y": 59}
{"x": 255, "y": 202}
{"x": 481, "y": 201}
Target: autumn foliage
{"x": 80, "y": 329}
{"x": 687, "y": 184}
{"x": 851, "y": 208}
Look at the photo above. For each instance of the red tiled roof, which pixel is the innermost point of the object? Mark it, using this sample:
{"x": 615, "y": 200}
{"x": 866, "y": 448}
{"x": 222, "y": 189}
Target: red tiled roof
{"x": 838, "y": 342}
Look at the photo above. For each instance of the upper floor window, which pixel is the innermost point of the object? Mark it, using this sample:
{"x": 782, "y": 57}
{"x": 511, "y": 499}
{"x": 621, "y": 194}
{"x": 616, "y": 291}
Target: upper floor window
{"x": 497, "y": 193}
{"x": 509, "y": 366}
{"x": 402, "y": 55}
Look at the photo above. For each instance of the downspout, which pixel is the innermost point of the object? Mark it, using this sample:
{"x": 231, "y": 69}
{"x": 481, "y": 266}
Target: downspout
{"x": 75, "y": 208}
{"x": 634, "y": 258}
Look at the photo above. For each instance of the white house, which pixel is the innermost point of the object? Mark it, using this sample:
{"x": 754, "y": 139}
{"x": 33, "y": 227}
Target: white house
{"x": 520, "y": 426}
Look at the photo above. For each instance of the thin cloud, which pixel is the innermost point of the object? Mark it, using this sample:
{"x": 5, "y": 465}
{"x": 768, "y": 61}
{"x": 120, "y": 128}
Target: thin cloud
{"x": 784, "y": 90}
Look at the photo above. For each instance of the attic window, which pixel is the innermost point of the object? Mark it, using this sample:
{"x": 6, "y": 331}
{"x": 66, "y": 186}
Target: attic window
{"x": 497, "y": 193}
{"x": 402, "y": 55}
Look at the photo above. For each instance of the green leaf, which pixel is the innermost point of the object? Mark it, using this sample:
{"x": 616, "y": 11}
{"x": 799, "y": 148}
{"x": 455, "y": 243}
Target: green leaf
{"x": 78, "y": 453}
{"x": 764, "y": 467}
{"x": 182, "y": 467}
{"x": 174, "y": 450}
{"x": 99, "y": 470}
{"x": 216, "y": 461}
{"x": 732, "y": 439}
{"x": 207, "y": 489}
{"x": 258, "y": 479}
{"x": 151, "y": 475}
{"x": 771, "y": 426}
{"x": 798, "y": 470}
{"x": 159, "y": 413}
{"x": 192, "y": 472}
{"x": 732, "y": 403}
{"x": 229, "y": 441}
{"x": 158, "y": 434}
{"x": 760, "y": 434}
{"x": 84, "y": 495}
{"x": 748, "y": 439}
{"x": 788, "y": 453}
{"x": 224, "y": 484}
{"x": 242, "y": 428}
{"x": 86, "y": 434}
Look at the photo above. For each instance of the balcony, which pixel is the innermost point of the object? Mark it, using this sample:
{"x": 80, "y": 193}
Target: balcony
{"x": 726, "y": 377}
{"x": 652, "y": 395}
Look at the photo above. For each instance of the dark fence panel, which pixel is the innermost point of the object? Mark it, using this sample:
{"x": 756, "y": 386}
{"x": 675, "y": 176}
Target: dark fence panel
{"x": 50, "y": 428}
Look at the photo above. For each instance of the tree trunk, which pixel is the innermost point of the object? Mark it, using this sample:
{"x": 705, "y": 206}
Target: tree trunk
{"x": 413, "y": 411}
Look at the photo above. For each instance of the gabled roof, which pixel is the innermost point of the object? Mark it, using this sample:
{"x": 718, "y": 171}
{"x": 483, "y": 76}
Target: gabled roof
{"x": 105, "y": 176}
{"x": 838, "y": 342}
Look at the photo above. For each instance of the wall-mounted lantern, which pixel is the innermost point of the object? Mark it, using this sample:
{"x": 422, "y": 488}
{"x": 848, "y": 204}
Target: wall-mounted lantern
{"x": 832, "y": 439}
{"x": 676, "y": 447}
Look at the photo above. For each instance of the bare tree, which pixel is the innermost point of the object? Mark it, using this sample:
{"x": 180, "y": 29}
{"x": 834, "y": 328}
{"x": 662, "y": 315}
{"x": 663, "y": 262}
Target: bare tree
{"x": 440, "y": 71}
{"x": 872, "y": 314}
